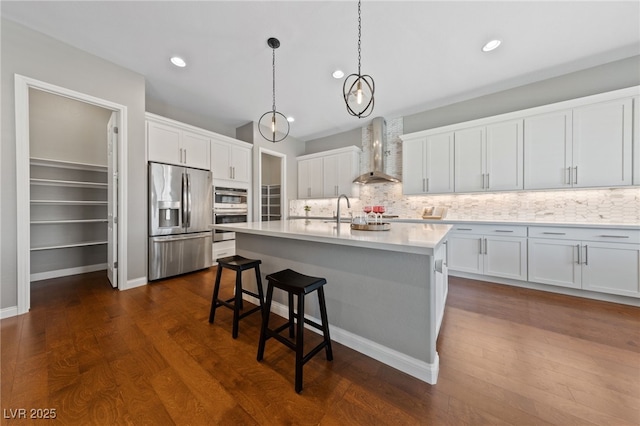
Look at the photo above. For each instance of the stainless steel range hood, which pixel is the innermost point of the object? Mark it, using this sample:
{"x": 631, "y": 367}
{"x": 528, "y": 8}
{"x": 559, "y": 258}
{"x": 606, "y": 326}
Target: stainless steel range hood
{"x": 376, "y": 149}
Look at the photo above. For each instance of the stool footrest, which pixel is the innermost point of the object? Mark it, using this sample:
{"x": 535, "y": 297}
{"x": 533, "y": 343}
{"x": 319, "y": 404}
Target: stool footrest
{"x": 251, "y": 293}
{"x": 249, "y": 312}
{"x": 313, "y": 324}
{"x": 314, "y": 351}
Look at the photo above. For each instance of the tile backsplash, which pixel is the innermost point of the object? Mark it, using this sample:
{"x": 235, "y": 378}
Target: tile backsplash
{"x": 602, "y": 205}
{"x": 606, "y": 206}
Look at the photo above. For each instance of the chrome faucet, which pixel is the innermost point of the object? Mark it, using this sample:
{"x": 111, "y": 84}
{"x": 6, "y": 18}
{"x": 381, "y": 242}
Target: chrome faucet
{"x": 338, "y": 208}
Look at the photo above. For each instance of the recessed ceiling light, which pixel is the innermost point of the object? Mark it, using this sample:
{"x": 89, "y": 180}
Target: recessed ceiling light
{"x": 493, "y": 44}
{"x": 338, "y": 74}
{"x": 291, "y": 119}
{"x": 178, "y": 61}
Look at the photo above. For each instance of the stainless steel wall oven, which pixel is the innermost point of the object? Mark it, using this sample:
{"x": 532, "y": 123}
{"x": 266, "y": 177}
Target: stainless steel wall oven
{"x": 229, "y": 206}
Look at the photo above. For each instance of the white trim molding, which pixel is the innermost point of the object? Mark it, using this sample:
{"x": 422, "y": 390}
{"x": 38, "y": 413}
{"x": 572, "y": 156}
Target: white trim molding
{"x": 22, "y": 86}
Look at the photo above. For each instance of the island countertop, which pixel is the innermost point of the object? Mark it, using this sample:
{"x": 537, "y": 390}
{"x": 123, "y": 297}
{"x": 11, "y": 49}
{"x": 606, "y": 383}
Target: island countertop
{"x": 402, "y": 237}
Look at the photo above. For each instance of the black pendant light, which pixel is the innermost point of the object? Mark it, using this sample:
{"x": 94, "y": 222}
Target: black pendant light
{"x": 358, "y": 89}
{"x": 271, "y": 119}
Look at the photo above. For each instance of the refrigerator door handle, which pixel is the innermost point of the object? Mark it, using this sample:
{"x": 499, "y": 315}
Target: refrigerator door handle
{"x": 184, "y": 200}
{"x": 188, "y": 200}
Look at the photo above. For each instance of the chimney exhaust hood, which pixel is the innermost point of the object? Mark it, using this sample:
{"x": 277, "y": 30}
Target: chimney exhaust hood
{"x": 376, "y": 149}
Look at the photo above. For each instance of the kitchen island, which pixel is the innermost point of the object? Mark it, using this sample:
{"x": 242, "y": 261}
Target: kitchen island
{"x": 386, "y": 289}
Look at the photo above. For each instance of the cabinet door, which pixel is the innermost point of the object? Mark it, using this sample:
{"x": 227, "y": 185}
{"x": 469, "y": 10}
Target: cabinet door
{"x": 602, "y": 144}
{"x": 310, "y": 183}
{"x": 413, "y": 160}
{"x": 240, "y": 163}
{"x": 331, "y": 171}
{"x": 439, "y": 163}
{"x": 220, "y": 159}
{"x": 504, "y": 155}
{"x": 505, "y": 257}
{"x": 547, "y": 150}
{"x": 611, "y": 268}
{"x": 470, "y": 160}
{"x": 195, "y": 151}
{"x": 555, "y": 262}
{"x": 465, "y": 253}
{"x": 163, "y": 143}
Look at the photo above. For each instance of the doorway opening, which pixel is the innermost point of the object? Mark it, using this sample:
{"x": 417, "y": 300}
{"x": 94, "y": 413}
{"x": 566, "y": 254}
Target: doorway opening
{"x": 272, "y": 185}
{"x": 70, "y": 167}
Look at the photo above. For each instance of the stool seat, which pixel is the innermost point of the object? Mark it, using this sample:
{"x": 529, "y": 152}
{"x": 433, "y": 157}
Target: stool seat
{"x": 238, "y": 264}
{"x": 296, "y": 284}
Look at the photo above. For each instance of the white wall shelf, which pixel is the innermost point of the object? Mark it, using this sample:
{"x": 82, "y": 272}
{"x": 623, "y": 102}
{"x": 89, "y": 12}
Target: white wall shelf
{"x": 68, "y": 183}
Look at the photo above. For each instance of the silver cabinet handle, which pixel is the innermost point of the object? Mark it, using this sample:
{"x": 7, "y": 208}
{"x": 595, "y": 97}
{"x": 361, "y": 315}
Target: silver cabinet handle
{"x": 424, "y": 185}
{"x": 614, "y": 236}
{"x": 586, "y": 255}
{"x": 464, "y": 229}
{"x": 502, "y": 230}
{"x": 554, "y": 233}
{"x": 185, "y": 156}
{"x": 485, "y": 246}
{"x": 427, "y": 185}
{"x": 575, "y": 180}
{"x": 579, "y": 252}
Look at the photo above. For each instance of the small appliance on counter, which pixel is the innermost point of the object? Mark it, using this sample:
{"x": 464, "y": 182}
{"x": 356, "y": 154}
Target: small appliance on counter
{"x": 436, "y": 213}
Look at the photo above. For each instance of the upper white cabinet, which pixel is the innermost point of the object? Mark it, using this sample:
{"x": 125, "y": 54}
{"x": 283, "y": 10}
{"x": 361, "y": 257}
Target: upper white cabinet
{"x": 170, "y": 142}
{"x": 489, "y": 158}
{"x": 230, "y": 160}
{"x": 587, "y": 146}
{"x": 328, "y": 174}
{"x": 428, "y": 164}
{"x": 581, "y": 143}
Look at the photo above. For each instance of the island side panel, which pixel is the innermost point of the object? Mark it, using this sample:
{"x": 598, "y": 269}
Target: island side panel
{"x": 380, "y": 295}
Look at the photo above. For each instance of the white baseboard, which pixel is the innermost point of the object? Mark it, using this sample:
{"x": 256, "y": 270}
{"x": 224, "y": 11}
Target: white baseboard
{"x": 11, "y": 311}
{"x": 413, "y": 367}
{"x": 66, "y": 272}
{"x": 137, "y": 282}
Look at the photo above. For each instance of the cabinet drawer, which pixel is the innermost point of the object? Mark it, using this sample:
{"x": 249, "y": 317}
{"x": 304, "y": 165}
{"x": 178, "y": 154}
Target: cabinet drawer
{"x": 498, "y": 230}
{"x": 631, "y": 236}
{"x": 223, "y": 249}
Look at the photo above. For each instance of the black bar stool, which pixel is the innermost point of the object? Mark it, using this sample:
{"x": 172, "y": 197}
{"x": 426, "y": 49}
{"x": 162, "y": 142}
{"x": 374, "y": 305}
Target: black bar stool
{"x": 293, "y": 282}
{"x": 238, "y": 264}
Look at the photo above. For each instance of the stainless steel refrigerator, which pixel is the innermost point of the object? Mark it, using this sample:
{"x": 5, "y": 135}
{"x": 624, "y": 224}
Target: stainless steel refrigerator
{"x": 180, "y": 206}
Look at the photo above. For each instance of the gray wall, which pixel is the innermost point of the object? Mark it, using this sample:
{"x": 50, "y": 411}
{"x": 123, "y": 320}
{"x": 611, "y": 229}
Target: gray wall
{"x": 65, "y": 129}
{"x": 340, "y": 140}
{"x": 35, "y": 55}
{"x": 612, "y": 76}
{"x": 188, "y": 117}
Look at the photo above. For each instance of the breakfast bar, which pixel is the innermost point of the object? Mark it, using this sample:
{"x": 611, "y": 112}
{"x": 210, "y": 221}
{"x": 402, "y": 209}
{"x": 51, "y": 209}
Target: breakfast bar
{"x": 386, "y": 289}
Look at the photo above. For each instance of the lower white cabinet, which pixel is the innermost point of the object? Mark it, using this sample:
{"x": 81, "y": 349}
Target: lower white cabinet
{"x": 223, "y": 249}
{"x": 601, "y": 260}
{"x": 499, "y": 251}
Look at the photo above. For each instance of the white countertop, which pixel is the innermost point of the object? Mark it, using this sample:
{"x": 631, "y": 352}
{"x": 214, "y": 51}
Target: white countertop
{"x": 403, "y": 237}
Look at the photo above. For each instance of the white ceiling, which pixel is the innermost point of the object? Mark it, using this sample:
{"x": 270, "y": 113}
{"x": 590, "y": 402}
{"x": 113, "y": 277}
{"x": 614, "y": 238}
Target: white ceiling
{"x": 421, "y": 54}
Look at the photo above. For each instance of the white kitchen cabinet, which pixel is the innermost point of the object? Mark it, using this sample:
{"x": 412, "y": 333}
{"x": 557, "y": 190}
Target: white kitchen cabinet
{"x": 222, "y": 249}
{"x": 230, "y": 160}
{"x": 601, "y": 260}
{"x": 338, "y": 172}
{"x": 170, "y": 143}
{"x": 489, "y": 158}
{"x": 587, "y": 146}
{"x": 499, "y": 251}
{"x": 636, "y": 140}
{"x": 328, "y": 174}
{"x": 428, "y": 164}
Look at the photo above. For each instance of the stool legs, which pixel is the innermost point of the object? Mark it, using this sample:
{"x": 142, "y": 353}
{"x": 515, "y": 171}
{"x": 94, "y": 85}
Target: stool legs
{"x": 237, "y": 304}
{"x": 265, "y": 322}
{"x": 299, "y": 343}
{"x": 214, "y": 300}
{"x": 325, "y": 324}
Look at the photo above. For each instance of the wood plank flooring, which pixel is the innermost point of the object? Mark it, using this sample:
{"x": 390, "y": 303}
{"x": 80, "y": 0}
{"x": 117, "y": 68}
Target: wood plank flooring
{"x": 149, "y": 356}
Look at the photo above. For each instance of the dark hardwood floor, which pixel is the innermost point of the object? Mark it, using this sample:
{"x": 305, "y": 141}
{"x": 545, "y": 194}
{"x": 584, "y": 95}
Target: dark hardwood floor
{"x": 149, "y": 356}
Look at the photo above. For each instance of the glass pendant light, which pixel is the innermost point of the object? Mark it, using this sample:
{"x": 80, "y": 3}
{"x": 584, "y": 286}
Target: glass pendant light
{"x": 358, "y": 89}
{"x": 271, "y": 120}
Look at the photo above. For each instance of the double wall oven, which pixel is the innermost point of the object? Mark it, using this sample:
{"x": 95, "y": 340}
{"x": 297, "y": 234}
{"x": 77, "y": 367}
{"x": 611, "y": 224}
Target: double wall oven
{"x": 229, "y": 206}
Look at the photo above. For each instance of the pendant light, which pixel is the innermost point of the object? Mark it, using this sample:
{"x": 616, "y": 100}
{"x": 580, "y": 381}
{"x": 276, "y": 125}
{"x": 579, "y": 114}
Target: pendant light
{"x": 271, "y": 119}
{"x": 358, "y": 89}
